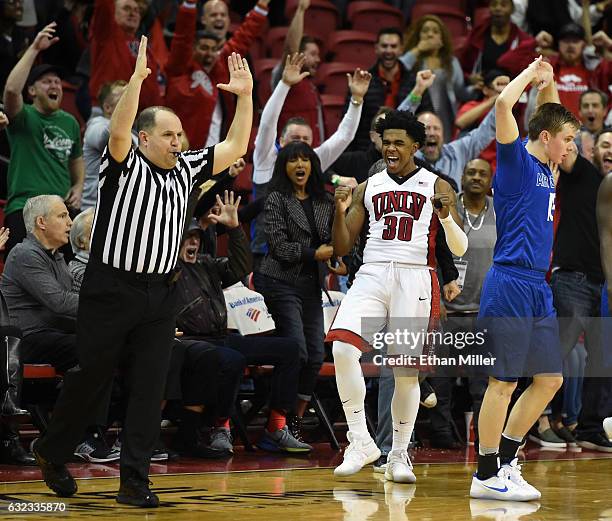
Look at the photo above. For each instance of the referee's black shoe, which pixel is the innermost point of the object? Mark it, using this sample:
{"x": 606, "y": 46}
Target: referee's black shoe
{"x": 136, "y": 492}
{"x": 56, "y": 475}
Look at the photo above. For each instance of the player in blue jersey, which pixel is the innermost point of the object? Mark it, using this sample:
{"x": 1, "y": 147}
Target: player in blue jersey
{"x": 516, "y": 305}
{"x": 604, "y": 222}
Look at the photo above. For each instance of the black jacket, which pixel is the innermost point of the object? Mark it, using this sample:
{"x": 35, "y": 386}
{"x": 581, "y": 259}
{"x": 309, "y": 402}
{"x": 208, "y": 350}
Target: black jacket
{"x": 202, "y": 311}
{"x": 375, "y": 98}
{"x": 289, "y": 235}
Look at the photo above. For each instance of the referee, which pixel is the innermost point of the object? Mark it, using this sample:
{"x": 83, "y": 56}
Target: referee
{"x": 128, "y": 297}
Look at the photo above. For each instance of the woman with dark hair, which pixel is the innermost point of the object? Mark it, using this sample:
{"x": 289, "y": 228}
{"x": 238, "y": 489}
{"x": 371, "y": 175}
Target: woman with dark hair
{"x": 428, "y": 45}
{"x": 298, "y": 217}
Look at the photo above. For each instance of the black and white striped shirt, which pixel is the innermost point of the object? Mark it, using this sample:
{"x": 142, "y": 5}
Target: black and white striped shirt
{"x": 141, "y": 210}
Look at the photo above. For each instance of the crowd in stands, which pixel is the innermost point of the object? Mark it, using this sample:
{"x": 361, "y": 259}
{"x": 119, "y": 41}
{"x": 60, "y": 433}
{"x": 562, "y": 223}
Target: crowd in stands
{"x": 64, "y": 65}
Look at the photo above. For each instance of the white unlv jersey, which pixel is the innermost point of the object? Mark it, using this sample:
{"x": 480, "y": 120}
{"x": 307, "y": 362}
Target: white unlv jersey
{"x": 403, "y": 225}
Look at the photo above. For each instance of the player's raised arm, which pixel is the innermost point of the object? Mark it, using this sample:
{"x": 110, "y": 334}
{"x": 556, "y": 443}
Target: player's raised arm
{"x": 120, "y": 139}
{"x": 347, "y": 225}
{"x": 539, "y": 72}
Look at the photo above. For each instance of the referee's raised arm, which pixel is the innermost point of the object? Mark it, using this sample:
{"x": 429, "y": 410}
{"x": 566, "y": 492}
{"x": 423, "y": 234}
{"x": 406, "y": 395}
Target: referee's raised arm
{"x": 120, "y": 139}
{"x": 235, "y": 144}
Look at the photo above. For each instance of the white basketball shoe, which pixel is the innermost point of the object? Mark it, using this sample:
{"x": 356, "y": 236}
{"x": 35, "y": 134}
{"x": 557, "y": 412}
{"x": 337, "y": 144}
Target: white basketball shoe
{"x": 498, "y": 487}
{"x": 361, "y": 451}
{"x": 399, "y": 467}
{"x": 513, "y": 470}
{"x": 607, "y": 425}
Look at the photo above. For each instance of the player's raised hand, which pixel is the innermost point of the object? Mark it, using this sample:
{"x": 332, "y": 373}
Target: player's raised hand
{"x": 359, "y": 83}
{"x": 441, "y": 204}
{"x": 542, "y": 72}
{"x": 241, "y": 80}
{"x": 292, "y": 73}
{"x": 343, "y": 197}
{"x": 141, "y": 71}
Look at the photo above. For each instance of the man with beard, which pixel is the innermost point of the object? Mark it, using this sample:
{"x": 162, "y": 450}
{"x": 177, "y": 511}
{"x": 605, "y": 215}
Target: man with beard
{"x": 46, "y": 155}
{"x": 593, "y": 108}
{"x": 198, "y": 61}
{"x": 391, "y": 83}
{"x": 452, "y": 157}
{"x": 575, "y": 71}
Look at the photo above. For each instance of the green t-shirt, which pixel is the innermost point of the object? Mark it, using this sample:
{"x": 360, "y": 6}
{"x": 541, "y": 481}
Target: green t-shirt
{"x": 41, "y": 148}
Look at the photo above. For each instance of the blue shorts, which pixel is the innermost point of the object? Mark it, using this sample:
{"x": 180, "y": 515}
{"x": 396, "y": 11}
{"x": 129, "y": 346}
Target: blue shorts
{"x": 520, "y": 324}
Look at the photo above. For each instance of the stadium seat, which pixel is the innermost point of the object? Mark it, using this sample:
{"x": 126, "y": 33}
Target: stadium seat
{"x": 333, "y": 110}
{"x": 459, "y": 44}
{"x": 332, "y": 77}
{"x": 275, "y": 41}
{"x": 452, "y": 17}
{"x": 353, "y": 47}
{"x": 321, "y": 18}
{"x": 372, "y": 16}
{"x": 263, "y": 73}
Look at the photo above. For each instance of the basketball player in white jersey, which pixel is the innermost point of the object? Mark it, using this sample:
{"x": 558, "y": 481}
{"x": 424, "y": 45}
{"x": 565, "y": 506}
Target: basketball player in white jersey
{"x": 397, "y": 279}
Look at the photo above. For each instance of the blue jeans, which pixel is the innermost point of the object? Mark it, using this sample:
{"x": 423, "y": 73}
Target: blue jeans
{"x": 578, "y": 304}
{"x": 572, "y": 385}
{"x": 297, "y": 311}
{"x": 384, "y": 428}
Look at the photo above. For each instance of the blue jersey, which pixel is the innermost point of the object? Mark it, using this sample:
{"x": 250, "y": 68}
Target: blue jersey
{"x": 524, "y": 201}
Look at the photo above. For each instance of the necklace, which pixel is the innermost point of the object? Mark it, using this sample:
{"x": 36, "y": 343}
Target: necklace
{"x": 481, "y": 215}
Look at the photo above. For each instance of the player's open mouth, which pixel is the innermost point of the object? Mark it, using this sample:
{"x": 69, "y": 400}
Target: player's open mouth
{"x": 300, "y": 174}
{"x": 606, "y": 162}
{"x": 53, "y": 96}
{"x": 591, "y": 119}
{"x": 392, "y": 161}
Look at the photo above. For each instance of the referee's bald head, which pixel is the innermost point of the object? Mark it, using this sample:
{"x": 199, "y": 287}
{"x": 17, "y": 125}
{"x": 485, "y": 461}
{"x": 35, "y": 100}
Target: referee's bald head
{"x": 146, "y": 118}
{"x": 160, "y": 135}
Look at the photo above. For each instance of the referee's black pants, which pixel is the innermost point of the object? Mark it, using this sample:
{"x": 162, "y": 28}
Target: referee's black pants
{"x": 128, "y": 318}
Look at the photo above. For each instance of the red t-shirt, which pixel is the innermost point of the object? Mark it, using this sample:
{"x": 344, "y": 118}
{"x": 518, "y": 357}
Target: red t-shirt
{"x": 392, "y": 88}
{"x": 571, "y": 83}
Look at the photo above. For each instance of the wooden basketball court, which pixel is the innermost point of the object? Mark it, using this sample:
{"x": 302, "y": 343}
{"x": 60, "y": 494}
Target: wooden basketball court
{"x": 574, "y": 485}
